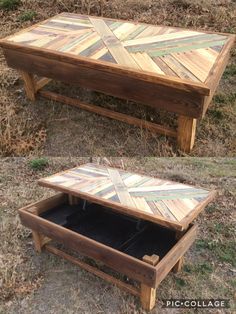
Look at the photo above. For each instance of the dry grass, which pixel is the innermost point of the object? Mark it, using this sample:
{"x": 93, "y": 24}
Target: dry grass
{"x": 32, "y": 283}
{"x": 54, "y": 129}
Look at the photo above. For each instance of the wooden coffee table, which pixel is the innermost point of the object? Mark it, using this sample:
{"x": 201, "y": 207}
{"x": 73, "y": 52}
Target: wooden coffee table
{"x": 136, "y": 225}
{"x": 164, "y": 67}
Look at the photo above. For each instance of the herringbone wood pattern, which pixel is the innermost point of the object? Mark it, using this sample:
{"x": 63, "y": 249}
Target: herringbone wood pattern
{"x": 167, "y": 51}
{"x": 160, "y": 198}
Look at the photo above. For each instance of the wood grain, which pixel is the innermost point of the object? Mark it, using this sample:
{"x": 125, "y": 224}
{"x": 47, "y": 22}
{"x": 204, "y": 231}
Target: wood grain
{"x": 169, "y": 260}
{"x": 153, "y": 127}
{"x": 128, "y": 288}
{"x": 133, "y": 194}
{"x": 114, "y": 259}
{"x": 186, "y": 133}
{"x": 126, "y": 87}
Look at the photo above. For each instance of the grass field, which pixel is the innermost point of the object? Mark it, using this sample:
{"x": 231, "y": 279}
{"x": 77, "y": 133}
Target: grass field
{"x": 33, "y": 283}
{"x": 50, "y": 128}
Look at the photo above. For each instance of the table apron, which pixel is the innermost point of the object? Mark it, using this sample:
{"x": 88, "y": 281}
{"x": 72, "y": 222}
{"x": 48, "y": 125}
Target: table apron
{"x": 187, "y": 103}
{"x": 114, "y": 259}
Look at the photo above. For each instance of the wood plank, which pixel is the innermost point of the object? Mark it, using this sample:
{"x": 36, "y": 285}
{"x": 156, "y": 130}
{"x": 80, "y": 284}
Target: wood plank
{"x": 217, "y": 70}
{"x": 120, "y": 188}
{"x": 110, "y": 114}
{"x": 149, "y": 31}
{"x": 116, "y": 206}
{"x": 41, "y": 83}
{"x": 191, "y": 66}
{"x": 110, "y": 279}
{"x": 159, "y": 38}
{"x": 124, "y": 30}
{"x": 160, "y": 199}
{"x": 43, "y": 205}
{"x": 119, "y": 53}
{"x": 152, "y": 260}
{"x": 37, "y": 241}
{"x": 192, "y": 215}
{"x": 148, "y": 294}
{"x": 29, "y": 84}
{"x": 178, "y": 266}
{"x": 171, "y": 258}
{"x": 114, "y": 259}
{"x": 186, "y": 133}
{"x": 78, "y": 61}
{"x": 146, "y": 63}
{"x": 179, "y": 69}
{"x": 121, "y": 86}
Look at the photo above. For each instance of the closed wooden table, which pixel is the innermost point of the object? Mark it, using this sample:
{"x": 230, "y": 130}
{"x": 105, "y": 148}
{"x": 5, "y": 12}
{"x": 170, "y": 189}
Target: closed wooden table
{"x": 136, "y": 225}
{"x": 164, "y": 67}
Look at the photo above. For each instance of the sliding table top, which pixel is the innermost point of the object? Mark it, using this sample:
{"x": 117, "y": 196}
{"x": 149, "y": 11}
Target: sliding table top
{"x": 164, "y": 202}
{"x": 175, "y": 54}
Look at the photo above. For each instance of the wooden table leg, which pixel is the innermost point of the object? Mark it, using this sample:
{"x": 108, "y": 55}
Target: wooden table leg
{"x": 29, "y": 84}
{"x": 186, "y": 133}
{"x": 37, "y": 241}
{"x": 148, "y": 294}
{"x": 178, "y": 265}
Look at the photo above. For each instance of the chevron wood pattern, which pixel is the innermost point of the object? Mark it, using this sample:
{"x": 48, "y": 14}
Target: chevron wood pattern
{"x": 162, "y": 50}
{"x": 160, "y": 199}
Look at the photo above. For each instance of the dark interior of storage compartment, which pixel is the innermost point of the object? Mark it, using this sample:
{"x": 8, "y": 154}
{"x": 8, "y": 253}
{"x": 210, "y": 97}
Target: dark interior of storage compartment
{"x": 127, "y": 234}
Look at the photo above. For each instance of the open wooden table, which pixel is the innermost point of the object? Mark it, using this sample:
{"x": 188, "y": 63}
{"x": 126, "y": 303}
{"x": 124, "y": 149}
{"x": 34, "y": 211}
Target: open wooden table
{"x": 164, "y": 67}
{"x": 136, "y": 225}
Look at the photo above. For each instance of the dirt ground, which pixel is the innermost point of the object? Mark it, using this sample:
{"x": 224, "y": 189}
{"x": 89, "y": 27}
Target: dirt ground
{"x": 42, "y": 283}
{"x": 50, "y": 128}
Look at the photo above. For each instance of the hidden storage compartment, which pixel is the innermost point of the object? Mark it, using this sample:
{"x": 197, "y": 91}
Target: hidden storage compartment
{"x": 133, "y": 236}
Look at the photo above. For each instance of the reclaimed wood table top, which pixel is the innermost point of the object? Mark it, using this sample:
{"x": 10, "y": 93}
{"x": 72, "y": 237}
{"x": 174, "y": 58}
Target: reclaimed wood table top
{"x": 175, "y": 54}
{"x": 165, "y": 202}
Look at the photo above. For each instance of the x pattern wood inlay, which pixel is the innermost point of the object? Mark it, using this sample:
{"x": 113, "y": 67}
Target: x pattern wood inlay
{"x": 161, "y": 198}
{"x": 162, "y": 50}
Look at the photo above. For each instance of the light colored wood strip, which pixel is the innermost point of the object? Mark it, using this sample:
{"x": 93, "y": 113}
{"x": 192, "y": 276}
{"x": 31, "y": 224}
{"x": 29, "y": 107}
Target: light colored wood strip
{"x": 24, "y": 37}
{"x": 142, "y": 205}
{"x": 149, "y": 31}
{"x": 146, "y": 63}
{"x": 164, "y": 67}
{"x": 165, "y": 212}
{"x": 191, "y": 66}
{"x": 137, "y": 31}
{"x": 29, "y": 84}
{"x": 58, "y": 43}
{"x": 180, "y": 70}
{"x": 175, "y": 212}
{"x": 99, "y": 54}
{"x": 120, "y": 188}
{"x": 41, "y": 41}
{"x": 119, "y": 53}
{"x": 159, "y": 38}
{"x": 62, "y": 21}
{"x": 72, "y": 43}
{"x": 183, "y": 48}
{"x": 124, "y": 30}
{"x": 125, "y": 36}
{"x": 186, "y": 133}
{"x": 55, "y": 28}
{"x": 87, "y": 42}
{"x": 41, "y": 83}
{"x": 162, "y": 187}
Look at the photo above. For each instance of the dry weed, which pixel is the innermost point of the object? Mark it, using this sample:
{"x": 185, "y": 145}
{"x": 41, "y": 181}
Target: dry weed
{"x": 13, "y": 261}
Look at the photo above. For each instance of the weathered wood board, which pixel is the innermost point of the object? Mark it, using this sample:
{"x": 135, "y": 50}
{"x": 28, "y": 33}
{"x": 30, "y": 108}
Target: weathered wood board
{"x": 164, "y": 202}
